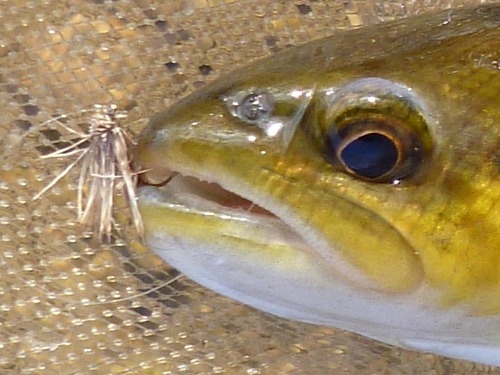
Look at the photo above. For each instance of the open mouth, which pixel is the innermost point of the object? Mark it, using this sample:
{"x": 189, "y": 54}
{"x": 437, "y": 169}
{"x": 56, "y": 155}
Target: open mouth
{"x": 215, "y": 193}
{"x": 196, "y": 192}
{"x": 195, "y": 196}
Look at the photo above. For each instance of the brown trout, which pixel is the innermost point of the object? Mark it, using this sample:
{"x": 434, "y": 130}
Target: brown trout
{"x": 352, "y": 181}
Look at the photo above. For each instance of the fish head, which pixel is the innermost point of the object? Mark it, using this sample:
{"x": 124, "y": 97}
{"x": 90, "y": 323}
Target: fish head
{"x": 353, "y": 181}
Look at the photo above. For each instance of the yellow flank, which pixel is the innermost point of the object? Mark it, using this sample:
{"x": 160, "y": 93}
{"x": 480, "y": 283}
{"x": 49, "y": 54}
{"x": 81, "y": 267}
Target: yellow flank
{"x": 438, "y": 227}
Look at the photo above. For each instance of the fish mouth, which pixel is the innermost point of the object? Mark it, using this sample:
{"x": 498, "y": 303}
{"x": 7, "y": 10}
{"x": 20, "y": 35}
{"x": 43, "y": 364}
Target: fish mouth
{"x": 196, "y": 193}
{"x": 213, "y": 192}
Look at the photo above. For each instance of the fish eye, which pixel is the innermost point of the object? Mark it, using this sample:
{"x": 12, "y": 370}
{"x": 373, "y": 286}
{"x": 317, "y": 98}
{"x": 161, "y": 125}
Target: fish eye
{"x": 369, "y": 155}
{"x": 376, "y": 130}
{"x": 251, "y": 107}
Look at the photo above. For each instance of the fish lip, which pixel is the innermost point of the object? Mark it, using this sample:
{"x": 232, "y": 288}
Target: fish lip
{"x": 257, "y": 213}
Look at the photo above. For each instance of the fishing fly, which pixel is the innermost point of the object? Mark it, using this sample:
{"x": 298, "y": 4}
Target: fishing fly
{"x": 106, "y": 167}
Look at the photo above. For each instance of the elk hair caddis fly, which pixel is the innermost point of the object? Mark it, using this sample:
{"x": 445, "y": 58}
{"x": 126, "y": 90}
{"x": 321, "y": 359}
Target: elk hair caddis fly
{"x": 106, "y": 165}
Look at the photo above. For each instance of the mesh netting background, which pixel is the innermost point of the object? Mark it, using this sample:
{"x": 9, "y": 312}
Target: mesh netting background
{"x": 69, "y": 305}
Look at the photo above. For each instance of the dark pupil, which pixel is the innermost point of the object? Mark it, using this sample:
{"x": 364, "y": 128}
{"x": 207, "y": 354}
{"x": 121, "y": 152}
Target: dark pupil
{"x": 371, "y": 155}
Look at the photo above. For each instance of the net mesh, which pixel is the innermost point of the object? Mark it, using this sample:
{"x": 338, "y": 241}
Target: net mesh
{"x": 70, "y": 305}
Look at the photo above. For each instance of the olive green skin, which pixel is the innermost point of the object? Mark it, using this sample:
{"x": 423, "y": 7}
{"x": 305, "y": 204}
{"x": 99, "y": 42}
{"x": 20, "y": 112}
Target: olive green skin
{"x": 439, "y": 226}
